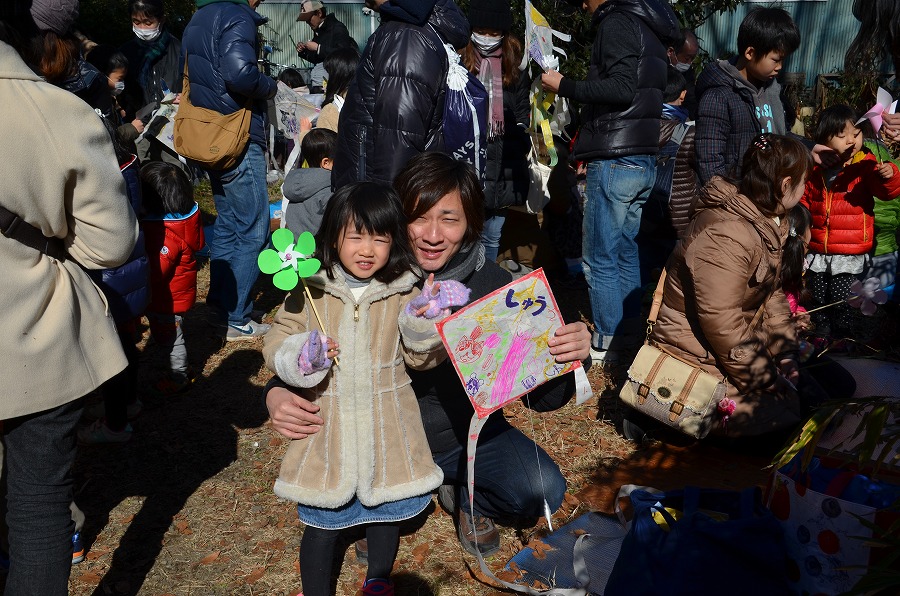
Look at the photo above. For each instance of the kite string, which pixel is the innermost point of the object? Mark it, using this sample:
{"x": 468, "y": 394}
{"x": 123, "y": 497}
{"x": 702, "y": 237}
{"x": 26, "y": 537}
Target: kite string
{"x": 537, "y": 457}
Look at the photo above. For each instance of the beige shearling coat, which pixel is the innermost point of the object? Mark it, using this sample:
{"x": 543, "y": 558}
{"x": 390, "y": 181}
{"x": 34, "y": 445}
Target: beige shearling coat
{"x": 58, "y": 173}
{"x": 720, "y": 273}
{"x": 372, "y": 443}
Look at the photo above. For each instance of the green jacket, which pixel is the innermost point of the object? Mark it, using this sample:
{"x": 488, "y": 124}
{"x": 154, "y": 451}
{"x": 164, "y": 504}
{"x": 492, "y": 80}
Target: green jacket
{"x": 887, "y": 213}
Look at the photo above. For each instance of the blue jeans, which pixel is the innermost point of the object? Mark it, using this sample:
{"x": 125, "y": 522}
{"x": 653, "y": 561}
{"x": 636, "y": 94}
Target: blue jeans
{"x": 239, "y": 235}
{"x": 490, "y": 235}
{"x": 509, "y": 481}
{"x": 39, "y": 453}
{"x": 616, "y": 191}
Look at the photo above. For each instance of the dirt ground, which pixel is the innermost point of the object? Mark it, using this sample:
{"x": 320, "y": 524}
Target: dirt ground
{"x": 186, "y": 507}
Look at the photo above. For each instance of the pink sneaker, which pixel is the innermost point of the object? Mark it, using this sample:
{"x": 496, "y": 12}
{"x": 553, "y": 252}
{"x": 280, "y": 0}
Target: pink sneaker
{"x": 377, "y": 587}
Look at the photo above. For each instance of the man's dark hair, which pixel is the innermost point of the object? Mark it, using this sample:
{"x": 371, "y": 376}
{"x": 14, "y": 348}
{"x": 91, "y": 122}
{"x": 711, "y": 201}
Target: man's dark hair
{"x": 166, "y": 189}
{"x": 832, "y": 121}
{"x": 675, "y": 84}
{"x": 318, "y": 144}
{"x": 767, "y": 30}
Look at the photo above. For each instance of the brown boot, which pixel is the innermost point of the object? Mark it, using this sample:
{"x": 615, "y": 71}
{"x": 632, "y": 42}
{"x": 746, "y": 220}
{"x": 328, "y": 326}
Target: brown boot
{"x": 474, "y": 533}
{"x": 361, "y": 548}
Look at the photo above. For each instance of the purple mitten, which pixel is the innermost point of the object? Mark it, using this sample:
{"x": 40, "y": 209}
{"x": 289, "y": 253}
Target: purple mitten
{"x": 312, "y": 356}
{"x": 451, "y": 293}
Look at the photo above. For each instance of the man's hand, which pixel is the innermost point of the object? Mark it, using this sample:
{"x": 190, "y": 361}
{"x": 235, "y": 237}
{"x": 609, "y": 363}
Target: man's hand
{"x": 550, "y": 81}
{"x": 138, "y": 125}
{"x": 291, "y": 415}
{"x": 570, "y": 342}
{"x": 825, "y": 156}
{"x": 891, "y": 126}
{"x": 312, "y": 46}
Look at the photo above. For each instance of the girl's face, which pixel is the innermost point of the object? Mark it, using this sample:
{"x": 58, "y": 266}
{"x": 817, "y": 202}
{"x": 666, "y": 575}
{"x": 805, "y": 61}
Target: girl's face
{"x": 437, "y": 235}
{"x": 116, "y": 76}
{"x": 362, "y": 254}
{"x": 792, "y": 192}
{"x": 848, "y": 142}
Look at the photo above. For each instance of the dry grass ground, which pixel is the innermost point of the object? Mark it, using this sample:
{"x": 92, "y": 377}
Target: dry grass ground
{"x": 187, "y": 506}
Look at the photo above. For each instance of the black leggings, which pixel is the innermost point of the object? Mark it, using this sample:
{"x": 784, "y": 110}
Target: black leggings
{"x": 317, "y": 555}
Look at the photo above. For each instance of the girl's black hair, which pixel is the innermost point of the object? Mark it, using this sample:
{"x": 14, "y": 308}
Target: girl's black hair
{"x": 832, "y": 121}
{"x": 769, "y": 160}
{"x": 106, "y": 58}
{"x": 318, "y": 144}
{"x": 166, "y": 189}
{"x": 340, "y": 66}
{"x": 151, "y": 8}
{"x": 366, "y": 207}
{"x": 794, "y": 253}
{"x": 292, "y": 78}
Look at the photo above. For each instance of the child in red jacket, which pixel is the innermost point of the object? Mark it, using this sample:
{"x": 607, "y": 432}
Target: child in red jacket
{"x": 173, "y": 234}
{"x": 841, "y": 201}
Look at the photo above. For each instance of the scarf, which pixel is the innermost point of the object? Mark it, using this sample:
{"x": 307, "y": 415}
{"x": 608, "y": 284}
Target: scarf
{"x": 463, "y": 264}
{"x": 490, "y": 73}
{"x": 158, "y": 48}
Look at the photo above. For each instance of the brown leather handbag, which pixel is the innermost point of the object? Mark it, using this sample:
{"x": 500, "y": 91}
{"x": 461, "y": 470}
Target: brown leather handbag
{"x": 215, "y": 141}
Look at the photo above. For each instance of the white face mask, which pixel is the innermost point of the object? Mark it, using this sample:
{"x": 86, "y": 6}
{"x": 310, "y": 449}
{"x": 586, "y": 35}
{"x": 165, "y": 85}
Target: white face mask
{"x": 119, "y": 87}
{"x": 146, "y": 34}
{"x": 486, "y": 43}
{"x": 682, "y": 66}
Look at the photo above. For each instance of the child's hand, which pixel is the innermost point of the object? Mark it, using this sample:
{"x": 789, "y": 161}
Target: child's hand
{"x": 314, "y": 353}
{"x": 305, "y": 125}
{"x": 437, "y": 298}
{"x": 886, "y": 170}
{"x": 801, "y": 321}
{"x": 138, "y": 125}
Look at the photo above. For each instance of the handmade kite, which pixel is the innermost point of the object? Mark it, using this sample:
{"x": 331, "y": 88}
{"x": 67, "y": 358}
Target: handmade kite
{"x": 499, "y": 348}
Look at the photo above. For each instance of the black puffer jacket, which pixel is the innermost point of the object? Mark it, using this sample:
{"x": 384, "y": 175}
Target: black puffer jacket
{"x": 395, "y": 103}
{"x": 331, "y": 35}
{"x": 506, "y": 169}
{"x": 220, "y": 45}
{"x": 623, "y": 91}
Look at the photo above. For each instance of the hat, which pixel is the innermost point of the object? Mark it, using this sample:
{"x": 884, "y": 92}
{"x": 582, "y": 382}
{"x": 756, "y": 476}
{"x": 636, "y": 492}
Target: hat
{"x": 490, "y": 14}
{"x": 307, "y": 8}
{"x": 54, "y": 15}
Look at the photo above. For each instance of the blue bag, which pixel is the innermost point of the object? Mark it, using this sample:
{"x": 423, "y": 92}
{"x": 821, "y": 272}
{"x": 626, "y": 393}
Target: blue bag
{"x": 722, "y": 542}
{"x": 465, "y": 115}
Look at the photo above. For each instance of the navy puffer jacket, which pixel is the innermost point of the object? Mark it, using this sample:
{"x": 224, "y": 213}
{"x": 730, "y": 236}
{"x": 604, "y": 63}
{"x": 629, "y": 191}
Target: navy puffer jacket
{"x": 127, "y": 287}
{"x": 395, "y": 103}
{"x": 221, "y": 47}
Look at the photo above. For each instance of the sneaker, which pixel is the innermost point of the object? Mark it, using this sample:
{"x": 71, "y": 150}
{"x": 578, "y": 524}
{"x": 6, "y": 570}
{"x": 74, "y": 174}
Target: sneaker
{"x": 477, "y": 532}
{"x": 381, "y": 587}
{"x": 98, "y": 432}
{"x": 605, "y": 357}
{"x": 77, "y": 548}
{"x": 361, "y": 548}
{"x": 251, "y": 330}
{"x": 98, "y": 410}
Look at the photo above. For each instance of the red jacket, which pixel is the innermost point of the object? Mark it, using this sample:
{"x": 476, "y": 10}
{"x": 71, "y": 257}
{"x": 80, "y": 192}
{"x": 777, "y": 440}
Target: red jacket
{"x": 843, "y": 215}
{"x": 174, "y": 238}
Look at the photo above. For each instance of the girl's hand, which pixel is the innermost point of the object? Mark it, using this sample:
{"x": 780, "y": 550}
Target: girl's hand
{"x": 292, "y": 416}
{"x": 801, "y": 321}
{"x": 430, "y": 292}
{"x": 317, "y": 353}
{"x": 886, "y": 170}
{"x": 571, "y": 342}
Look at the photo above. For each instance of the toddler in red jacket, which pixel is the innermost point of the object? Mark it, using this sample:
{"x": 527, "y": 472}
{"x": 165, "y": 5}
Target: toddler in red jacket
{"x": 841, "y": 201}
{"x": 172, "y": 233}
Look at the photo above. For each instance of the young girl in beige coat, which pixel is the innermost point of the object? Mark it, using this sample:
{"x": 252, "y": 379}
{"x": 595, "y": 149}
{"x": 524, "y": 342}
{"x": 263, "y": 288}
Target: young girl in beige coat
{"x": 370, "y": 464}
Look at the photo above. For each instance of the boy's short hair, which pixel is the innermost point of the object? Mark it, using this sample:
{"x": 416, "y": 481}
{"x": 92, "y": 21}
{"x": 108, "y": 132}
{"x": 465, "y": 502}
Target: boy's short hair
{"x": 106, "y": 58}
{"x": 767, "y": 30}
{"x": 166, "y": 189}
{"x": 318, "y": 144}
{"x": 832, "y": 121}
{"x": 676, "y": 84}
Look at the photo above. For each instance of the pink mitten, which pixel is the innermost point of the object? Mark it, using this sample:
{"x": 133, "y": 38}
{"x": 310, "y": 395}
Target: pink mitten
{"x": 312, "y": 356}
{"x": 451, "y": 293}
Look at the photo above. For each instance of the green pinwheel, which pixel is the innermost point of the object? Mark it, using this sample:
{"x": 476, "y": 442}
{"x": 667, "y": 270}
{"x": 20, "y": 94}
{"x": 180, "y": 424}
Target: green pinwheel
{"x": 290, "y": 260}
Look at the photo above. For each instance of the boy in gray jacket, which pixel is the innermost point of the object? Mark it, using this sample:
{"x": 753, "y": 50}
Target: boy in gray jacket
{"x": 307, "y": 190}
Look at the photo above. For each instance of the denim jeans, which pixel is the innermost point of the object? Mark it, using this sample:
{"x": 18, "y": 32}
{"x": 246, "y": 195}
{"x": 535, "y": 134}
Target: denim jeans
{"x": 512, "y": 475}
{"x": 39, "y": 453}
{"x": 239, "y": 235}
{"x": 490, "y": 235}
{"x": 616, "y": 191}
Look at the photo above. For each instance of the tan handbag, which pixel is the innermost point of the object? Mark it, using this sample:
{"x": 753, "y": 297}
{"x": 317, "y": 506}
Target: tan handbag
{"x": 215, "y": 141}
{"x": 673, "y": 391}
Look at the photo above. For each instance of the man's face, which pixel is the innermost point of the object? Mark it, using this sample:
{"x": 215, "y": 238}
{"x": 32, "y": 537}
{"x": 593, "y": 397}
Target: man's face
{"x": 315, "y": 20}
{"x": 255, "y": 3}
{"x": 591, "y": 6}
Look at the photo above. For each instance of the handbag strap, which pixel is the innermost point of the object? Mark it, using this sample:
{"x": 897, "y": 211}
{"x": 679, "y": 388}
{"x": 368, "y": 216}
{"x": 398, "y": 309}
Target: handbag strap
{"x": 13, "y": 226}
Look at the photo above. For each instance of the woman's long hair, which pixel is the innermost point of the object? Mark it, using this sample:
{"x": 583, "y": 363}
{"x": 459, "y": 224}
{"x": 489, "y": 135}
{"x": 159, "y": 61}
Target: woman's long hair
{"x": 512, "y": 56}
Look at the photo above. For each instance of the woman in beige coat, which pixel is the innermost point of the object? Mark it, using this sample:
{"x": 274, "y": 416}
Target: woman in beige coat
{"x": 724, "y": 271}
{"x": 61, "y": 178}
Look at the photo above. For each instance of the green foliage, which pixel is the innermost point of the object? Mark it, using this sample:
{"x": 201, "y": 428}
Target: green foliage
{"x": 108, "y": 21}
{"x": 694, "y": 13}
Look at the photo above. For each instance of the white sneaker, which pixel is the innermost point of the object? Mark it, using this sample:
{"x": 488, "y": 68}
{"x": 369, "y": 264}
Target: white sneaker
{"x": 251, "y": 330}
{"x": 605, "y": 357}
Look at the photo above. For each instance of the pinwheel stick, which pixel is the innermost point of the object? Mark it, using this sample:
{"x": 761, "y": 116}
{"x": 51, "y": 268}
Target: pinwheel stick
{"x": 818, "y": 308}
{"x": 309, "y": 298}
